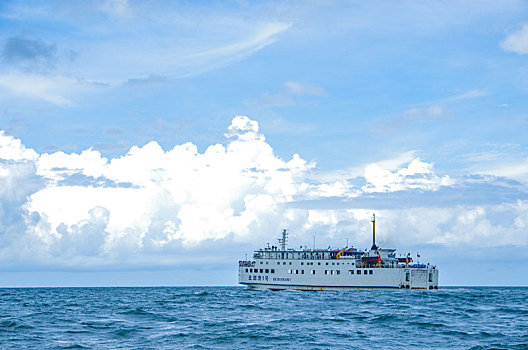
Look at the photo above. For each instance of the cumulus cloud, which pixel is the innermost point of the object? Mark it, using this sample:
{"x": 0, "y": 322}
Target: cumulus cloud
{"x": 517, "y": 41}
{"x": 177, "y": 195}
{"x": 154, "y": 205}
{"x": 478, "y": 226}
{"x": 18, "y": 180}
{"x": 417, "y": 175}
{"x": 13, "y": 149}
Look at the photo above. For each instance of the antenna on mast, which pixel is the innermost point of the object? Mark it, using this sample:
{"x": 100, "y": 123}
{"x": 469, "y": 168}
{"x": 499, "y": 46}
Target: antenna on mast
{"x": 374, "y": 232}
{"x": 284, "y": 239}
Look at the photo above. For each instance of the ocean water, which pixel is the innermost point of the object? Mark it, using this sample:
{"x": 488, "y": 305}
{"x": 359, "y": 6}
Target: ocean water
{"x": 234, "y": 317}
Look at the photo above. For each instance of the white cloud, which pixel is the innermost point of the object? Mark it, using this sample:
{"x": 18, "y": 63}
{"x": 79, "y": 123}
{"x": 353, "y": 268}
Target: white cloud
{"x": 59, "y": 165}
{"x": 183, "y": 52}
{"x": 154, "y": 205}
{"x": 341, "y": 188}
{"x": 446, "y": 226}
{"x": 428, "y": 113}
{"x": 475, "y": 93}
{"x": 417, "y": 175}
{"x": 197, "y": 196}
{"x": 13, "y": 149}
{"x": 297, "y": 88}
{"x": 54, "y": 90}
{"x": 517, "y": 170}
{"x": 517, "y": 41}
{"x": 119, "y": 8}
{"x": 159, "y": 45}
{"x": 291, "y": 93}
{"x": 260, "y": 37}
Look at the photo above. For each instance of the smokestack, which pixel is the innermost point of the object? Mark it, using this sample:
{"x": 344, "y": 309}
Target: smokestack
{"x": 374, "y": 232}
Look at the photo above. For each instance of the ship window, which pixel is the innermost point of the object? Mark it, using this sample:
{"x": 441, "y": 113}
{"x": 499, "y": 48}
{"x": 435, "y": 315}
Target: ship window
{"x": 266, "y": 263}
{"x": 365, "y": 272}
{"x": 318, "y": 263}
{"x": 326, "y": 272}
{"x": 278, "y": 262}
{"x": 370, "y": 272}
{"x": 333, "y": 263}
{"x": 290, "y": 262}
{"x": 302, "y": 272}
{"x": 250, "y": 270}
{"x": 296, "y": 272}
{"x": 331, "y": 272}
{"x": 358, "y": 272}
{"x": 284, "y": 263}
{"x": 261, "y": 271}
{"x": 267, "y": 270}
{"x": 326, "y": 263}
{"x": 430, "y": 277}
{"x": 407, "y": 276}
{"x": 289, "y": 271}
{"x": 337, "y": 263}
{"x": 350, "y": 272}
{"x": 312, "y": 272}
{"x": 338, "y": 272}
{"x": 261, "y": 263}
{"x": 272, "y": 270}
{"x": 302, "y": 263}
{"x": 246, "y": 270}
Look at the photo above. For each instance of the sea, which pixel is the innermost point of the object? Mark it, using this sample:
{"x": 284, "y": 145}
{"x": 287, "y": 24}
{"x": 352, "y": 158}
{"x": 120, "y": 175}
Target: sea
{"x": 238, "y": 318}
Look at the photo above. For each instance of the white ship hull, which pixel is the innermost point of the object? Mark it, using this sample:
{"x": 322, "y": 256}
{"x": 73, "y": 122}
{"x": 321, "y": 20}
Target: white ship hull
{"x": 344, "y": 276}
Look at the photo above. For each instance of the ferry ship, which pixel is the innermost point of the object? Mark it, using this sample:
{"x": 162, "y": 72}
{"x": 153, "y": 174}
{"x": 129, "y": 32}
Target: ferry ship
{"x": 279, "y": 268}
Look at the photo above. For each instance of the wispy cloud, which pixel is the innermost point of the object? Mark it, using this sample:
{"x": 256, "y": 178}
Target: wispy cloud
{"x": 151, "y": 80}
{"x": 289, "y": 94}
{"x": 426, "y": 112}
{"x": 50, "y": 89}
{"x": 119, "y": 8}
{"x": 411, "y": 117}
{"x": 134, "y": 51}
{"x": 516, "y": 41}
{"x": 220, "y": 56}
{"x": 298, "y": 88}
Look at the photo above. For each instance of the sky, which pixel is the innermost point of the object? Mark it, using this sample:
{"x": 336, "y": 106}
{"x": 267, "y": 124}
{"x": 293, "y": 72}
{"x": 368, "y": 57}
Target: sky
{"x": 157, "y": 143}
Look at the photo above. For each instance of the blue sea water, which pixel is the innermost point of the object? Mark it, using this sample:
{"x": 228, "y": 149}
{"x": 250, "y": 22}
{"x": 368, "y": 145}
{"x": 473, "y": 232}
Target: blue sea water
{"x": 234, "y": 317}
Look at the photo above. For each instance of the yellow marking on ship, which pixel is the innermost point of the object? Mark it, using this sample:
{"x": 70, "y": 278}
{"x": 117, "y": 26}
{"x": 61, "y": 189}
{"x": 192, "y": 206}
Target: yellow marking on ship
{"x": 338, "y": 255}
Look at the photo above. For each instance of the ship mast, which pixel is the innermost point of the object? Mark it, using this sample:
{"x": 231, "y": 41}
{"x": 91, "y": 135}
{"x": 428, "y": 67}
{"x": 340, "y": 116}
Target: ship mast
{"x": 374, "y": 232}
{"x": 284, "y": 239}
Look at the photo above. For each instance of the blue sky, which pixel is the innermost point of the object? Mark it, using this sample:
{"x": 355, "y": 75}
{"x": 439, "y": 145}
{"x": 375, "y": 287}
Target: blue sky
{"x": 156, "y": 143}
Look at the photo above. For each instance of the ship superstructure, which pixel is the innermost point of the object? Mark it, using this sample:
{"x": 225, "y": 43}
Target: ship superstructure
{"x": 281, "y": 268}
